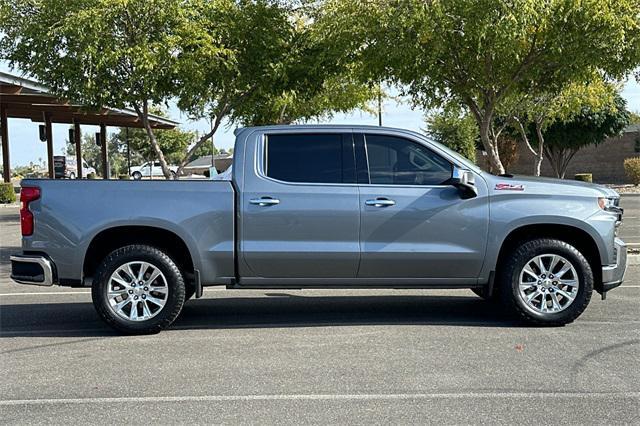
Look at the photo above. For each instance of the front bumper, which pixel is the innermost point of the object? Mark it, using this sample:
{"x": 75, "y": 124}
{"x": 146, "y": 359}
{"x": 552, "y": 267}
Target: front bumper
{"x": 613, "y": 275}
{"x": 32, "y": 270}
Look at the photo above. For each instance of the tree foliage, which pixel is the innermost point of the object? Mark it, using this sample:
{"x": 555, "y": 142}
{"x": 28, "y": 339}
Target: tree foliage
{"x": 118, "y": 53}
{"x": 455, "y": 129}
{"x": 480, "y": 52}
{"x": 564, "y": 138}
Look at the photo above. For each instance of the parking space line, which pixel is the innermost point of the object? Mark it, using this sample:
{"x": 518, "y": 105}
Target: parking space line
{"x": 319, "y": 397}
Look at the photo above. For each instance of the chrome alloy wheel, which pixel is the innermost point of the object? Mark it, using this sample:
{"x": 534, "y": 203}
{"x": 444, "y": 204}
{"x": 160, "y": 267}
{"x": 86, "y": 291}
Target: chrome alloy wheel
{"x": 548, "y": 283}
{"x": 137, "y": 291}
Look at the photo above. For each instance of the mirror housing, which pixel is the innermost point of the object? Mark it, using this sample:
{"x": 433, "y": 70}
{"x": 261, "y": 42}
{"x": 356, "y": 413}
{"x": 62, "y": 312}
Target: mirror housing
{"x": 465, "y": 181}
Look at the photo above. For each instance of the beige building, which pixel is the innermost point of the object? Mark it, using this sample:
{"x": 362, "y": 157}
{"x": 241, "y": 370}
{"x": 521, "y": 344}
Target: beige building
{"x": 604, "y": 161}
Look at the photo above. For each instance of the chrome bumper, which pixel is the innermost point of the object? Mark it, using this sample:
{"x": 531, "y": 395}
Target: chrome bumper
{"x": 613, "y": 275}
{"x": 32, "y": 270}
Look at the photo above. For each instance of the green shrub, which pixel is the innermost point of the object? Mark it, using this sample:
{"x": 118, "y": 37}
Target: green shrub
{"x": 632, "y": 169}
{"x": 91, "y": 176}
{"x": 123, "y": 177}
{"x": 584, "y": 177}
{"x": 7, "y": 193}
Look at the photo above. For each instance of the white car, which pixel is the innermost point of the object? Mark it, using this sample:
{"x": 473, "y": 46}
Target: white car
{"x": 150, "y": 170}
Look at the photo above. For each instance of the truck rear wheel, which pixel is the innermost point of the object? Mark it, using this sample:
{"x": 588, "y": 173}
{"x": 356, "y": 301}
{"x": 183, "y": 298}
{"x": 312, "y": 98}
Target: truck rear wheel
{"x": 546, "y": 282}
{"x": 138, "y": 289}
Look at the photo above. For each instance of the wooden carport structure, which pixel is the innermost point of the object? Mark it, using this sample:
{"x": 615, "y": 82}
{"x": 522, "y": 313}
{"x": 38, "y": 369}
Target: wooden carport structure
{"x": 27, "y": 99}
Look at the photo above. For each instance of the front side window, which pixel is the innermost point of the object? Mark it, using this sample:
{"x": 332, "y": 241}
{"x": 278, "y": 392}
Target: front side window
{"x": 308, "y": 158}
{"x": 398, "y": 161}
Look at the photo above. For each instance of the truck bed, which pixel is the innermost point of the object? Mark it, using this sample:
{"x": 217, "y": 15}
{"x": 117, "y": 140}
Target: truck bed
{"x": 71, "y": 213}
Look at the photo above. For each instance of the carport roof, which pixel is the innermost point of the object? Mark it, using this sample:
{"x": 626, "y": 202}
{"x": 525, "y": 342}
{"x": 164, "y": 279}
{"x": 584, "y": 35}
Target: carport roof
{"x": 24, "y": 98}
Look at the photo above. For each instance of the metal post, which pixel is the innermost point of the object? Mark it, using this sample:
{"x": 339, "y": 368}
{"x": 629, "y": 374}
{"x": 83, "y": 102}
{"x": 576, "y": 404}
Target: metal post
{"x": 379, "y": 104}
{"x": 4, "y": 130}
{"x": 78, "y": 142}
{"x": 49, "y": 133}
{"x": 103, "y": 148}
{"x": 128, "y": 152}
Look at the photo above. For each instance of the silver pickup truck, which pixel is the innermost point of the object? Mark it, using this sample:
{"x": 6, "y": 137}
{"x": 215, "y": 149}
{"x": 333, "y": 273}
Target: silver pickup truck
{"x": 324, "y": 207}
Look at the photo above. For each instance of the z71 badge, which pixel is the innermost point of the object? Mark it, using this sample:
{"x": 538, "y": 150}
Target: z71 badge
{"x": 509, "y": 187}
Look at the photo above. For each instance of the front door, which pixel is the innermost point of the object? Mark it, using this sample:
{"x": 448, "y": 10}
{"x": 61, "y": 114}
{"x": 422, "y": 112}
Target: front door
{"x": 300, "y": 215}
{"x": 414, "y": 224}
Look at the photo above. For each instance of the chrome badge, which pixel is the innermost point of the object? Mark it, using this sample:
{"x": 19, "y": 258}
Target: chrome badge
{"x": 509, "y": 187}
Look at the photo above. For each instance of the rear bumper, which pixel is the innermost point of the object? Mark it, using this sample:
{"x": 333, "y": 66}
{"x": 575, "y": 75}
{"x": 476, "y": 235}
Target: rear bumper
{"x": 613, "y": 275}
{"x": 32, "y": 270}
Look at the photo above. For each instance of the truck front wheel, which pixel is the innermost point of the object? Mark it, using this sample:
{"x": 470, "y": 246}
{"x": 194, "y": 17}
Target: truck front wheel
{"x": 546, "y": 282}
{"x": 138, "y": 289}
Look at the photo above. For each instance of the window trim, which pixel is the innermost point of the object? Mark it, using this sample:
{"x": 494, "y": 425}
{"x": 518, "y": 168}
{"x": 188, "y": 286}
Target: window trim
{"x": 262, "y": 153}
{"x": 363, "y": 152}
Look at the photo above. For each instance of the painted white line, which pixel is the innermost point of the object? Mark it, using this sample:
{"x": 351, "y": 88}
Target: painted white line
{"x": 320, "y": 397}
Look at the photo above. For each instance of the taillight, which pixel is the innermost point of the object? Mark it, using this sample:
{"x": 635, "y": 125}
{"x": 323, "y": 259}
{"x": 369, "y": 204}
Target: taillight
{"x": 27, "y": 195}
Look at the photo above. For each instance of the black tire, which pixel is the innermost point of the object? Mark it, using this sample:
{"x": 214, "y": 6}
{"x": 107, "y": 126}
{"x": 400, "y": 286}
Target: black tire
{"x": 509, "y": 282}
{"x": 136, "y": 175}
{"x": 189, "y": 292}
{"x": 160, "y": 260}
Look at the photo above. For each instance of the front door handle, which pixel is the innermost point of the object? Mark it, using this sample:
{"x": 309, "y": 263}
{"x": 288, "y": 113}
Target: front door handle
{"x": 264, "y": 201}
{"x": 380, "y": 202}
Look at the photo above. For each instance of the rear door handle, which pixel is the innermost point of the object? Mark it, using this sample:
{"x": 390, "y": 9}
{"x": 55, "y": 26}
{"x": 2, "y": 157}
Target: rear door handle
{"x": 380, "y": 202}
{"x": 264, "y": 201}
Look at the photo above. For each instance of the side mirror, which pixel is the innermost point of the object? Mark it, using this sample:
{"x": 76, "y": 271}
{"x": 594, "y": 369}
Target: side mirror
{"x": 465, "y": 181}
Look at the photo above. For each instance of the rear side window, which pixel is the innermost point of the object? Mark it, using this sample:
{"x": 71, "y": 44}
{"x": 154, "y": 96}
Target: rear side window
{"x": 310, "y": 158}
{"x": 398, "y": 161}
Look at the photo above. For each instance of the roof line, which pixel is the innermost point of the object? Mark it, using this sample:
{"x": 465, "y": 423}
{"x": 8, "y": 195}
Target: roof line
{"x": 15, "y": 80}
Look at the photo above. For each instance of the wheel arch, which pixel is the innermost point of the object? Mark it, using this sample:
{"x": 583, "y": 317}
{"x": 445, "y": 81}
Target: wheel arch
{"x": 107, "y": 240}
{"x": 577, "y": 237}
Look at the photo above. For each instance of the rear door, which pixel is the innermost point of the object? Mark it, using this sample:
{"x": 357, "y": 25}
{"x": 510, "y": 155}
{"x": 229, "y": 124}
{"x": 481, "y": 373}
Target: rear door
{"x": 300, "y": 209}
{"x": 414, "y": 224}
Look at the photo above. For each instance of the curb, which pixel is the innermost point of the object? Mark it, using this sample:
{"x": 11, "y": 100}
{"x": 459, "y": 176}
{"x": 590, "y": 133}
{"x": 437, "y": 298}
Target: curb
{"x": 633, "y": 259}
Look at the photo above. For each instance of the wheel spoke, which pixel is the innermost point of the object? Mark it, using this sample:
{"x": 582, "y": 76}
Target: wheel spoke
{"x": 566, "y": 268}
{"x": 155, "y": 274}
{"x": 555, "y": 302}
{"x": 554, "y": 262}
{"x": 158, "y": 289}
{"x": 543, "y": 303}
{"x": 143, "y": 269}
{"x": 527, "y": 269}
{"x": 122, "y": 304}
{"x": 146, "y": 312}
{"x": 133, "y": 314}
{"x": 156, "y": 301}
{"x": 564, "y": 294}
{"x": 540, "y": 264}
{"x": 533, "y": 295}
{"x": 120, "y": 281}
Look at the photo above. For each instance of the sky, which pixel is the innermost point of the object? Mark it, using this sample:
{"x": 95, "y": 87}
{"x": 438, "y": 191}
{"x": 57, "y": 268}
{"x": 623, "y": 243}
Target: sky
{"x": 25, "y": 146}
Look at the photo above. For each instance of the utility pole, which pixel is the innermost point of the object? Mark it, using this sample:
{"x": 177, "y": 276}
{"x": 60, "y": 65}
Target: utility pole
{"x": 379, "y": 104}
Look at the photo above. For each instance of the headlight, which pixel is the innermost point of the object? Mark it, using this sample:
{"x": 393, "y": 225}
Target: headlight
{"x": 607, "y": 203}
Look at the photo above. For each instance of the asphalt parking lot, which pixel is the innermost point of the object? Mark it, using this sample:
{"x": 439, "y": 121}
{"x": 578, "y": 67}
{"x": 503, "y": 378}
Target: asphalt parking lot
{"x": 356, "y": 357}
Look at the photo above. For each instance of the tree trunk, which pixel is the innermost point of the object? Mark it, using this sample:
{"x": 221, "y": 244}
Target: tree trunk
{"x": 540, "y": 153}
{"x": 490, "y": 145}
{"x": 198, "y": 144}
{"x": 143, "y": 114}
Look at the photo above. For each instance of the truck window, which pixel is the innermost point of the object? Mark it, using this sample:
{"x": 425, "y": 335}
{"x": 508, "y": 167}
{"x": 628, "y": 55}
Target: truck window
{"x": 398, "y": 161}
{"x": 309, "y": 158}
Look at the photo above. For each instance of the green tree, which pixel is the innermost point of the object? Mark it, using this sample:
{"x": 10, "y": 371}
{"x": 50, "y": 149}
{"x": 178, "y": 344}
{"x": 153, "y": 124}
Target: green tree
{"x": 172, "y": 142}
{"x": 563, "y": 139}
{"x": 480, "y": 52}
{"x": 279, "y": 74}
{"x": 119, "y": 53}
{"x": 92, "y": 154}
{"x": 537, "y": 109}
{"x": 455, "y": 129}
